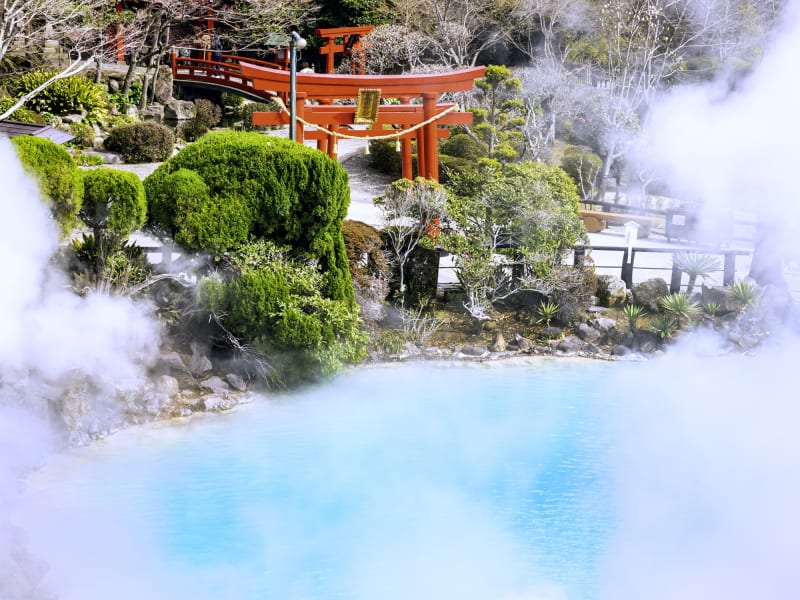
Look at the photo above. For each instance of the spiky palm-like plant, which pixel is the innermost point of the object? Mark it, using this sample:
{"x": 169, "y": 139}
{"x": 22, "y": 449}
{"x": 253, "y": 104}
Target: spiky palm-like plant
{"x": 681, "y": 307}
{"x": 665, "y": 326}
{"x": 744, "y": 292}
{"x": 633, "y": 312}
{"x": 695, "y": 265}
{"x": 546, "y": 311}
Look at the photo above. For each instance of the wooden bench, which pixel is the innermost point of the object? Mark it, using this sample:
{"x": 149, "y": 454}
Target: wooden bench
{"x": 596, "y": 221}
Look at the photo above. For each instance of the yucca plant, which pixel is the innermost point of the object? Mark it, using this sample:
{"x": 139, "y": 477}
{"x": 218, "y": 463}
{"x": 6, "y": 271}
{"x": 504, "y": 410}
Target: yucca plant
{"x": 695, "y": 265}
{"x": 744, "y": 292}
{"x": 633, "y": 312}
{"x": 546, "y": 311}
{"x": 664, "y": 325}
{"x": 681, "y": 307}
{"x": 712, "y": 308}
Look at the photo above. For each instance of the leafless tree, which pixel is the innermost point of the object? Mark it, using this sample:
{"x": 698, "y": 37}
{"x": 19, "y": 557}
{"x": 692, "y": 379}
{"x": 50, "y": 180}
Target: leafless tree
{"x": 392, "y": 49}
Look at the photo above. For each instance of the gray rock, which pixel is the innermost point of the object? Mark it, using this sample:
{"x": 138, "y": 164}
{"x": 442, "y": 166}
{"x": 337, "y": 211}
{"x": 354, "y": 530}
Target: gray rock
{"x": 620, "y": 350}
{"x": 217, "y": 403}
{"x": 646, "y": 342}
{"x": 618, "y": 294}
{"x": 524, "y": 344}
{"x": 647, "y": 293}
{"x": 152, "y": 112}
{"x": 216, "y": 385}
{"x": 178, "y": 110}
{"x": 721, "y": 296}
{"x": 166, "y": 386}
{"x": 551, "y": 332}
{"x": 236, "y": 381}
{"x": 113, "y": 86}
{"x": 163, "y": 86}
{"x": 603, "y": 324}
{"x": 199, "y": 365}
{"x": 474, "y": 351}
{"x": 569, "y": 345}
{"x": 588, "y": 333}
{"x": 499, "y": 344}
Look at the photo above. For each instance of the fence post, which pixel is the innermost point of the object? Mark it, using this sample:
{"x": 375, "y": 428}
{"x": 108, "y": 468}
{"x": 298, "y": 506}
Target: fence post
{"x": 627, "y": 268}
{"x": 675, "y": 281}
{"x": 729, "y": 268}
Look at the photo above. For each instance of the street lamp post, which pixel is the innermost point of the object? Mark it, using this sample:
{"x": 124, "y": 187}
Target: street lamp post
{"x": 296, "y": 41}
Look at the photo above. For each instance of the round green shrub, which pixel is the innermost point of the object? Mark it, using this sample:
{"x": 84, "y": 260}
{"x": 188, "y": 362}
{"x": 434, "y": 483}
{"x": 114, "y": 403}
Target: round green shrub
{"x": 258, "y": 187}
{"x": 69, "y": 95}
{"x": 113, "y": 201}
{"x": 384, "y": 157}
{"x": 59, "y": 178}
{"x": 462, "y": 145}
{"x": 143, "y": 142}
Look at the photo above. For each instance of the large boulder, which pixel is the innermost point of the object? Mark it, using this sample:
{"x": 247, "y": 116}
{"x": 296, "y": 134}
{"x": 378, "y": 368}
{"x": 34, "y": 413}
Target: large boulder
{"x": 647, "y": 293}
{"x": 720, "y": 296}
{"x": 178, "y": 110}
{"x": 618, "y": 293}
{"x": 163, "y": 85}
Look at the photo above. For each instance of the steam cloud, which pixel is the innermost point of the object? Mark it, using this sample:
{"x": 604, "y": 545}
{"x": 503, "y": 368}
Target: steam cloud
{"x": 49, "y": 337}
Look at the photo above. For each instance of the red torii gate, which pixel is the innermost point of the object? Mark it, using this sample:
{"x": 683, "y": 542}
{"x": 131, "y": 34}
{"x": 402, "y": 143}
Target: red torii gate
{"x": 412, "y": 121}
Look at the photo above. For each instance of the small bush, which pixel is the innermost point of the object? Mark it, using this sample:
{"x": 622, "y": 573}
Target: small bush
{"x": 59, "y": 177}
{"x": 84, "y": 135}
{"x": 368, "y": 267}
{"x": 142, "y": 142}
{"x": 23, "y": 115}
{"x": 70, "y": 95}
{"x": 87, "y": 160}
{"x": 462, "y": 145}
{"x": 113, "y": 201}
{"x": 583, "y": 168}
{"x": 247, "y": 115}
{"x": 384, "y": 157}
{"x": 133, "y": 97}
{"x": 206, "y": 115}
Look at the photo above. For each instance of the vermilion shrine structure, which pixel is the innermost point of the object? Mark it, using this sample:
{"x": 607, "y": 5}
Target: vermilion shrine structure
{"x": 416, "y": 116}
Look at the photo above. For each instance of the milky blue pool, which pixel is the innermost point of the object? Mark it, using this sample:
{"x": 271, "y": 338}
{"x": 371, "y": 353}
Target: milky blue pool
{"x": 405, "y": 482}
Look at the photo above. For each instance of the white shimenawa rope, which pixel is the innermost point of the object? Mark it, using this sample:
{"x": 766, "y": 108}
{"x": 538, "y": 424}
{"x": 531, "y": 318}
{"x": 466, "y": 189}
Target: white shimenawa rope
{"x": 388, "y": 136}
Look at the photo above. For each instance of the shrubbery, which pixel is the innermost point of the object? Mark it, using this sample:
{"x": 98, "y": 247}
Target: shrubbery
{"x": 583, "y": 167}
{"x": 23, "y": 115}
{"x": 368, "y": 267}
{"x": 462, "y": 145}
{"x": 147, "y": 141}
{"x": 256, "y": 187}
{"x": 84, "y": 135}
{"x": 277, "y": 304}
{"x": 206, "y": 115}
{"x": 113, "y": 201}
{"x": 384, "y": 157}
{"x": 247, "y": 114}
{"x": 59, "y": 178}
{"x": 70, "y": 95}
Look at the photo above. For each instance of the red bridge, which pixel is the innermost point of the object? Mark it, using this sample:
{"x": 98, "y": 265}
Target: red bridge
{"x": 417, "y": 116}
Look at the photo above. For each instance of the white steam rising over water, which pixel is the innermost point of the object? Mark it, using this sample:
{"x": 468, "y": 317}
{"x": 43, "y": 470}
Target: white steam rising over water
{"x": 49, "y": 338}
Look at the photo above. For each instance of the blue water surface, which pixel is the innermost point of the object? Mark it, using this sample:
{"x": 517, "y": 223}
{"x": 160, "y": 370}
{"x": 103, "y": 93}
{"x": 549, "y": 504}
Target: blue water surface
{"x": 413, "y": 481}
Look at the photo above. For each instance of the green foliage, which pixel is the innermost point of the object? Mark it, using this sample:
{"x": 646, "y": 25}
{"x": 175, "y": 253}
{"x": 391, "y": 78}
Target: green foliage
{"x": 206, "y": 115}
{"x": 462, "y": 145}
{"x": 500, "y": 113}
{"x": 23, "y": 115}
{"x": 94, "y": 266}
{"x": 681, "y": 307}
{"x": 69, "y": 95}
{"x": 664, "y": 325}
{"x": 633, "y": 312}
{"x": 87, "y": 160}
{"x": 546, "y": 312}
{"x": 113, "y": 201}
{"x": 583, "y": 167}
{"x": 84, "y": 135}
{"x": 143, "y": 142}
{"x": 256, "y": 187}
{"x": 132, "y": 98}
{"x": 247, "y": 114}
{"x": 744, "y": 292}
{"x": 277, "y": 304}
{"x": 384, "y": 157}
{"x": 695, "y": 265}
{"x": 712, "y": 308}
{"x": 58, "y": 176}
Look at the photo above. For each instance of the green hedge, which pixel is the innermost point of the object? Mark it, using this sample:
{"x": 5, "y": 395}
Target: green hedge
{"x": 256, "y": 187}
{"x": 113, "y": 200}
{"x": 143, "y": 142}
{"x": 74, "y": 94}
{"x": 59, "y": 178}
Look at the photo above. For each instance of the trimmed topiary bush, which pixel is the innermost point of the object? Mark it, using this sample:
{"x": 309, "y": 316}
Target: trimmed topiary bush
{"x": 143, "y": 142}
{"x": 69, "y": 95}
{"x": 462, "y": 145}
{"x": 258, "y": 187}
{"x": 59, "y": 178}
{"x": 113, "y": 201}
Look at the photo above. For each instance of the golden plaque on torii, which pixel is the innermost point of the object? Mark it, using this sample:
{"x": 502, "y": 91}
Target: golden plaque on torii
{"x": 367, "y": 107}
